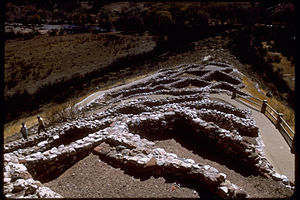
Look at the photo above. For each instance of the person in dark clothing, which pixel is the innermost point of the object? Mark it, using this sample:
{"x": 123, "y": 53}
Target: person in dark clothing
{"x": 24, "y": 131}
{"x": 41, "y": 126}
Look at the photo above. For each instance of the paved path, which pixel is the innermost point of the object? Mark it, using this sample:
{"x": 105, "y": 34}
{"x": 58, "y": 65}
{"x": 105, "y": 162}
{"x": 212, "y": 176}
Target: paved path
{"x": 100, "y": 94}
{"x": 276, "y": 149}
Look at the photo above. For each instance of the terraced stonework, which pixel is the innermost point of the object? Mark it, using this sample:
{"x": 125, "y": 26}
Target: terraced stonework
{"x": 125, "y": 123}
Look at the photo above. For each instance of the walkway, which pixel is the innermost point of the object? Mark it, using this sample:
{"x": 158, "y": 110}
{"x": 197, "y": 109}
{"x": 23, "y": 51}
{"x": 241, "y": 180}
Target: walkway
{"x": 276, "y": 149}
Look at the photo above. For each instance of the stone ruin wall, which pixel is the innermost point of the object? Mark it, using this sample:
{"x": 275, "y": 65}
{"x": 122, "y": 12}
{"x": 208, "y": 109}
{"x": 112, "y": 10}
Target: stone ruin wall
{"x": 117, "y": 135}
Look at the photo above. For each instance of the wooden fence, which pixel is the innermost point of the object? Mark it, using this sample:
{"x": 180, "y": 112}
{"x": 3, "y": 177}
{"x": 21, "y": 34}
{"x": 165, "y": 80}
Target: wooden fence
{"x": 276, "y": 118}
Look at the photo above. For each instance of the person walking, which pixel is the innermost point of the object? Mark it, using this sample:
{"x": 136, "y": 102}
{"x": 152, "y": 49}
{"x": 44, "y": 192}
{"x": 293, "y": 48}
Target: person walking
{"x": 24, "y": 131}
{"x": 41, "y": 124}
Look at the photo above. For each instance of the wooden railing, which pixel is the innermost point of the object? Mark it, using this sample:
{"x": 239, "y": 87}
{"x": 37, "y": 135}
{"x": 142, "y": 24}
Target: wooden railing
{"x": 276, "y": 118}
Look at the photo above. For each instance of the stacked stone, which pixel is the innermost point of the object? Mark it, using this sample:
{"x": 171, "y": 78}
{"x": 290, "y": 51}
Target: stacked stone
{"x": 230, "y": 122}
{"x": 186, "y": 81}
{"x": 168, "y": 80}
{"x": 159, "y": 162}
{"x": 45, "y": 139}
{"x": 219, "y": 106}
{"x": 33, "y": 140}
{"x": 231, "y": 142}
{"x": 18, "y": 182}
{"x": 117, "y": 131}
{"x": 58, "y": 159}
{"x": 162, "y": 81}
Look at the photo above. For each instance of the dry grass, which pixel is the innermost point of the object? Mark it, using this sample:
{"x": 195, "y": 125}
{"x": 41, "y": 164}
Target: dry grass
{"x": 58, "y": 113}
{"x": 288, "y": 113}
{"x": 280, "y": 63}
{"x": 44, "y": 59}
{"x": 34, "y": 65}
{"x": 63, "y": 113}
{"x": 15, "y": 126}
{"x": 214, "y": 47}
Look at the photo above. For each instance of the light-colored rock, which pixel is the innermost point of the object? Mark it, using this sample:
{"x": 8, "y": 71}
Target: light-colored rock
{"x": 224, "y": 189}
{"x": 160, "y": 162}
{"x": 19, "y": 185}
{"x": 191, "y": 161}
{"x": 206, "y": 167}
{"x": 143, "y": 160}
{"x": 43, "y": 143}
{"x": 44, "y": 192}
{"x": 276, "y": 176}
{"x": 6, "y": 180}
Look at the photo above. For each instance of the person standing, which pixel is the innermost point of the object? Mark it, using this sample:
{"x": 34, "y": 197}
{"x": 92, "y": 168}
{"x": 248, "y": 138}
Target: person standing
{"x": 41, "y": 124}
{"x": 24, "y": 131}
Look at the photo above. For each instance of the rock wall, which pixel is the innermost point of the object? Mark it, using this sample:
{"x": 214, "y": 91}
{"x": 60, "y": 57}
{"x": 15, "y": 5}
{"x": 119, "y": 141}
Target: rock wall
{"x": 117, "y": 134}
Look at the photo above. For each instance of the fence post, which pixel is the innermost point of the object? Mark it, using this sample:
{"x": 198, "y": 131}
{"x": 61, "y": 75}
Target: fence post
{"x": 264, "y": 106}
{"x": 233, "y": 93}
{"x": 279, "y": 120}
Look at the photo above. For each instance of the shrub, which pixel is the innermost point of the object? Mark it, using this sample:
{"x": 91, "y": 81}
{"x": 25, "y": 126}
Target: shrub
{"x": 53, "y": 32}
{"x": 63, "y": 113}
{"x": 273, "y": 59}
{"x": 34, "y": 19}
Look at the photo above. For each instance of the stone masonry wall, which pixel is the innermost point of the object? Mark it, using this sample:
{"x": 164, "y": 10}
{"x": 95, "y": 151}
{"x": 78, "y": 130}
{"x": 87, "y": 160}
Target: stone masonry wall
{"x": 117, "y": 134}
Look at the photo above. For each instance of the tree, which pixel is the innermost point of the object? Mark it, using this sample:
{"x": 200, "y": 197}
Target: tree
{"x": 59, "y": 15}
{"x": 164, "y": 21}
{"x": 34, "y": 19}
{"x": 130, "y": 18}
{"x": 13, "y": 13}
{"x": 28, "y": 10}
{"x": 83, "y": 18}
{"x": 104, "y": 18}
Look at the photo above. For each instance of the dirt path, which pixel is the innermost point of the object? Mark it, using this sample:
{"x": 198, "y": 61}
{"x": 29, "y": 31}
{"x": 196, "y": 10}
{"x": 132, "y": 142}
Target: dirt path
{"x": 276, "y": 149}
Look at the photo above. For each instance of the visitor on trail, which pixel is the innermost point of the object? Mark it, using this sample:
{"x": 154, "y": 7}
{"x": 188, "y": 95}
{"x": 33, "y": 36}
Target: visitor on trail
{"x": 24, "y": 131}
{"x": 41, "y": 124}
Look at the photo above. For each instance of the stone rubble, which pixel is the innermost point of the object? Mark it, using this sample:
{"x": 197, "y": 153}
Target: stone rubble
{"x": 116, "y": 135}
